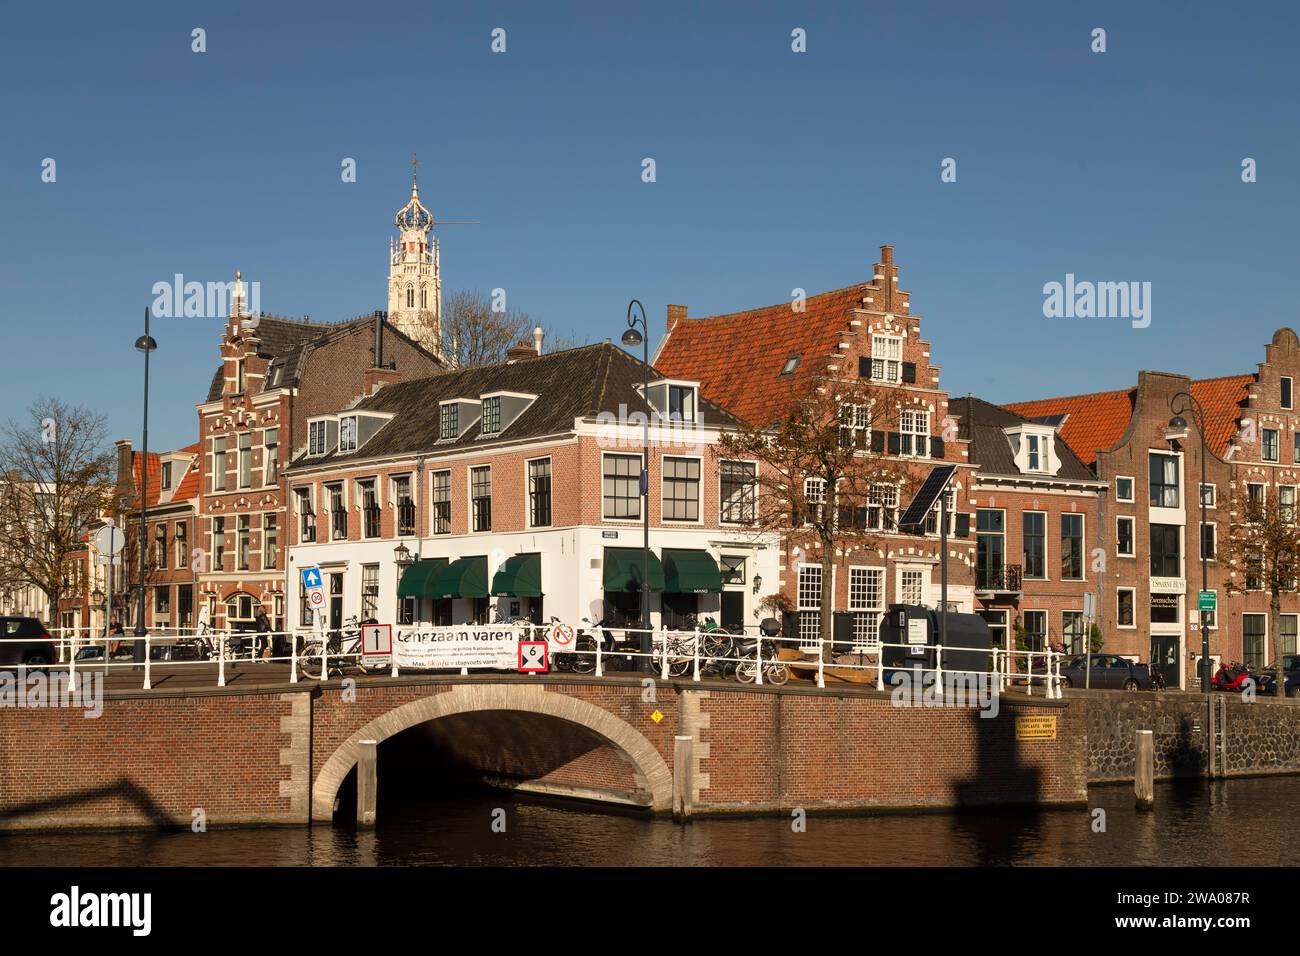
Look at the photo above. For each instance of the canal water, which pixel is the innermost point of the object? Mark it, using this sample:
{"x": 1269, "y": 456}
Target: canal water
{"x": 1226, "y": 823}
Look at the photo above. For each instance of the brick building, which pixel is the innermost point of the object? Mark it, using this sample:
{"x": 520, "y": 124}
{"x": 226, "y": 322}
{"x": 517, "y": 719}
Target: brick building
{"x": 1036, "y": 509}
{"x": 514, "y": 489}
{"x": 1151, "y": 510}
{"x": 754, "y": 363}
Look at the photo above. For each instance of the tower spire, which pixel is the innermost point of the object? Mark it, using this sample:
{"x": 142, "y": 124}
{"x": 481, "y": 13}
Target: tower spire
{"x": 414, "y": 279}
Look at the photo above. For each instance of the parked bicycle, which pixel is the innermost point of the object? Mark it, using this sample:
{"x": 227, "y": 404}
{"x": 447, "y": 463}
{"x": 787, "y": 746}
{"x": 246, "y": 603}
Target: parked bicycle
{"x": 344, "y": 650}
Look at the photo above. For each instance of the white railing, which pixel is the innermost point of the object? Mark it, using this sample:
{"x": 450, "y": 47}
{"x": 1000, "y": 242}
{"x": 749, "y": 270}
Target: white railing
{"x": 695, "y": 654}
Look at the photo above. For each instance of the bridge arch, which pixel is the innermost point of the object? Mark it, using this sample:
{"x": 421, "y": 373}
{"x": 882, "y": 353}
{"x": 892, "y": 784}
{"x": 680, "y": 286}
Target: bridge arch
{"x": 652, "y": 771}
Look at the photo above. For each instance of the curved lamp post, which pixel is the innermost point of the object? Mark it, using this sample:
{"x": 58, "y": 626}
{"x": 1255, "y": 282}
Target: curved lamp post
{"x": 632, "y": 338}
{"x": 1180, "y": 404}
{"x": 145, "y": 344}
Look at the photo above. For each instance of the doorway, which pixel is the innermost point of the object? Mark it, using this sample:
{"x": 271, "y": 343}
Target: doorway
{"x": 1165, "y": 658}
{"x": 733, "y": 611}
{"x": 336, "y": 600}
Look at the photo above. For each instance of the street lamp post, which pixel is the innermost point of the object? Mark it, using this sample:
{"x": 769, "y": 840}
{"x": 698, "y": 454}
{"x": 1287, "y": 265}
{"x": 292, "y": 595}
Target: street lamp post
{"x": 633, "y": 338}
{"x": 145, "y": 344}
{"x": 1179, "y": 423}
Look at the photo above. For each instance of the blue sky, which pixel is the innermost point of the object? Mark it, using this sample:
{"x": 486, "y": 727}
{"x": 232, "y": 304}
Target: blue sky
{"x": 775, "y": 170}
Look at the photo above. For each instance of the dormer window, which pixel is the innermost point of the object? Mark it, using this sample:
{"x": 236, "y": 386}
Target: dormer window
{"x": 449, "y": 422}
{"x": 166, "y": 479}
{"x": 316, "y": 438}
{"x": 348, "y": 433}
{"x": 681, "y": 403}
{"x": 491, "y": 415}
{"x": 1037, "y": 452}
{"x": 790, "y": 365}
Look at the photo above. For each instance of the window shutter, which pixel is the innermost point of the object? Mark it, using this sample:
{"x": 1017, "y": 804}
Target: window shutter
{"x": 877, "y": 441}
{"x": 963, "y": 524}
{"x": 864, "y": 366}
{"x": 895, "y": 442}
{"x": 909, "y": 373}
{"x": 936, "y": 446}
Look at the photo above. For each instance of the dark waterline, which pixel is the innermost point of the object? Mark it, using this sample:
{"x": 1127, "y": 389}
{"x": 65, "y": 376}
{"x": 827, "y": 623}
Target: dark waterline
{"x": 1238, "y": 819}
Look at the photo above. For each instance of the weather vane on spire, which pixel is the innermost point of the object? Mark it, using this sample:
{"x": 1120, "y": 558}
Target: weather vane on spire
{"x": 415, "y": 163}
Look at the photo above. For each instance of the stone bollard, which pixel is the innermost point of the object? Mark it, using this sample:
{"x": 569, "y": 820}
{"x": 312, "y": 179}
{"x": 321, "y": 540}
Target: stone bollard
{"x": 367, "y": 783}
{"x": 1144, "y": 771}
{"x": 683, "y": 778}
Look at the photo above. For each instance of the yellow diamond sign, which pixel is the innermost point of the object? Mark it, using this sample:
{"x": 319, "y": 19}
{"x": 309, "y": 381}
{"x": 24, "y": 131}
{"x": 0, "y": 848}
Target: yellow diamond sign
{"x": 656, "y": 716}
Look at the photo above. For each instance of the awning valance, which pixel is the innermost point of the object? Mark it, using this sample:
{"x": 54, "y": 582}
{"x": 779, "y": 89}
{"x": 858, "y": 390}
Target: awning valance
{"x": 519, "y": 576}
{"x": 463, "y": 578}
{"x": 417, "y": 580}
{"x": 623, "y": 568}
{"x": 691, "y": 572}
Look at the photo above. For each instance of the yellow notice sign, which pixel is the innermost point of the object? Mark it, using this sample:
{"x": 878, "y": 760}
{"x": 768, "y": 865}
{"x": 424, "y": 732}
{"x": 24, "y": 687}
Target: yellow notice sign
{"x": 1035, "y": 728}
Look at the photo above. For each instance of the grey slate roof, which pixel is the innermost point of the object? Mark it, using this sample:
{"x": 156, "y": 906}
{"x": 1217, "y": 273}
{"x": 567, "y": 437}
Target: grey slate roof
{"x": 982, "y": 422}
{"x": 573, "y": 383}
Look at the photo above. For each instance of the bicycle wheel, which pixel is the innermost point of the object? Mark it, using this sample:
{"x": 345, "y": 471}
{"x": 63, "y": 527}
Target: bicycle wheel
{"x": 747, "y": 671}
{"x": 309, "y": 661}
{"x": 584, "y": 661}
{"x": 679, "y": 666}
{"x": 776, "y": 674}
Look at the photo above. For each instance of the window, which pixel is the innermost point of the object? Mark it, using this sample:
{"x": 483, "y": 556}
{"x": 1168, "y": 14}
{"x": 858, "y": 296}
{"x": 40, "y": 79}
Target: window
{"x": 338, "y": 512}
{"x": 270, "y": 541}
{"x": 990, "y": 548}
{"x": 1254, "y": 571}
{"x": 241, "y": 543}
{"x": 1036, "y": 447}
{"x": 440, "y": 484}
{"x": 814, "y": 496}
{"x": 1270, "y": 444}
{"x": 1286, "y": 392}
{"x": 866, "y": 602}
{"x": 491, "y": 415}
{"x": 162, "y": 600}
{"x": 1124, "y": 537}
{"x": 681, "y": 489}
{"x": 182, "y": 545}
{"x": 790, "y": 365}
{"x": 1125, "y": 604}
{"x": 855, "y": 427}
{"x": 1252, "y": 641}
{"x": 914, "y": 437}
{"x": 369, "y": 507}
{"x": 316, "y": 438}
{"x": 1286, "y": 634}
{"x": 480, "y": 492}
{"x": 1072, "y": 632}
{"x": 1286, "y": 502}
{"x": 1208, "y": 541}
{"x": 1166, "y": 551}
{"x": 160, "y": 546}
{"x": 218, "y": 544}
{"x": 218, "y": 464}
{"x": 1072, "y": 547}
{"x": 1255, "y": 495}
{"x": 1295, "y": 447}
{"x": 886, "y": 358}
{"x": 306, "y": 515}
{"x": 681, "y": 403}
{"x": 950, "y": 504}
{"x": 241, "y": 380}
{"x": 165, "y": 479}
{"x": 882, "y": 508}
{"x": 348, "y": 433}
{"x": 270, "y": 456}
{"x": 620, "y": 486}
{"x": 1209, "y": 495}
{"x": 539, "y": 492}
{"x": 911, "y": 588}
{"x": 369, "y": 592}
{"x": 1123, "y": 489}
{"x": 405, "y": 505}
{"x": 1035, "y": 534}
{"x": 739, "y": 489}
{"x": 1036, "y": 630}
{"x": 810, "y": 602}
{"x": 1162, "y": 472}
{"x": 246, "y": 460}
{"x": 448, "y": 422}
{"x": 733, "y": 569}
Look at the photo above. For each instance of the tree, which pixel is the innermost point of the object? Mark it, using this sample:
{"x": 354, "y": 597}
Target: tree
{"x": 55, "y": 481}
{"x": 474, "y": 333}
{"x": 819, "y": 483}
{"x": 1262, "y": 553}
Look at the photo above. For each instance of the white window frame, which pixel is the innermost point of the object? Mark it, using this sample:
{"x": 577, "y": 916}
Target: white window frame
{"x": 1200, "y": 541}
{"x": 860, "y": 577}
{"x": 1132, "y": 488}
{"x": 1047, "y": 549}
{"x": 1118, "y": 625}
{"x": 1214, "y": 494}
{"x": 914, "y": 432}
{"x": 808, "y": 611}
{"x": 354, "y": 444}
{"x": 1277, "y": 445}
{"x": 1132, "y": 537}
{"x": 663, "y": 488}
{"x": 888, "y": 367}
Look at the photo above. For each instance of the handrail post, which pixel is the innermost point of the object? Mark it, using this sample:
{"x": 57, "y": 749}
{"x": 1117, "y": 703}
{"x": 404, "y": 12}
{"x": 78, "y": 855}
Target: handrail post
{"x": 758, "y": 659}
{"x": 880, "y": 665}
{"x": 221, "y": 660}
{"x": 392, "y": 653}
{"x": 293, "y": 658}
{"x": 72, "y": 662}
{"x": 938, "y": 669}
{"x": 695, "y": 653}
{"x": 1029, "y": 673}
{"x": 600, "y": 640}
{"x": 147, "y": 657}
{"x": 821, "y": 660}
{"x": 664, "y": 649}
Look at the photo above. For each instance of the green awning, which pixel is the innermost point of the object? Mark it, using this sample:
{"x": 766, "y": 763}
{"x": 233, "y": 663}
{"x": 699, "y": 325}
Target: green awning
{"x": 417, "y": 580}
{"x": 691, "y": 572}
{"x": 463, "y": 578}
{"x": 623, "y": 570}
{"x": 520, "y": 576}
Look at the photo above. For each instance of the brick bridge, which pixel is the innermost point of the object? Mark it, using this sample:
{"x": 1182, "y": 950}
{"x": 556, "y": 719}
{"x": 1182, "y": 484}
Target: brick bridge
{"x": 286, "y": 753}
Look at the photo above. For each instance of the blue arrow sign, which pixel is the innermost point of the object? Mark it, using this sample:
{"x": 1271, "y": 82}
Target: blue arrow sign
{"x": 311, "y": 577}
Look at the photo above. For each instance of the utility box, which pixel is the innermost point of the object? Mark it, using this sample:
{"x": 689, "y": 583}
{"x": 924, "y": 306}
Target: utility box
{"x": 842, "y": 631}
{"x": 967, "y": 647}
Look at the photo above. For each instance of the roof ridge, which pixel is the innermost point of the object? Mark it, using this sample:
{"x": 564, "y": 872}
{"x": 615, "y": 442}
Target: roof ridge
{"x": 777, "y": 305}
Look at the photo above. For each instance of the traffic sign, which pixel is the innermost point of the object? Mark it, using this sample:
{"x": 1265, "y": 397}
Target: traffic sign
{"x": 1208, "y": 601}
{"x": 311, "y": 578}
{"x": 533, "y": 657}
{"x": 316, "y": 597}
{"x": 376, "y": 639}
{"x": 109, "y": 542}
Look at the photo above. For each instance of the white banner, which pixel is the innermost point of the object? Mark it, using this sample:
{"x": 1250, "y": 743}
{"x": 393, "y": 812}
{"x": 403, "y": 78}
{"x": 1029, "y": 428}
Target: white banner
{"x": 470, "y": 645}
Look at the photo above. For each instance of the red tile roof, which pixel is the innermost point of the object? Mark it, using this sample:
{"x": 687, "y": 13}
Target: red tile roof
{"x": 738, "y": 358}
{"x": 189, "y": 485}
{"x": 1098, "y": 420}
{"x": 155, "y": 476}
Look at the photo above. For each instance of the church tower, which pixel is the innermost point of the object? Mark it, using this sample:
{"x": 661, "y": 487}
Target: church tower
{"x": 414, "y": 281}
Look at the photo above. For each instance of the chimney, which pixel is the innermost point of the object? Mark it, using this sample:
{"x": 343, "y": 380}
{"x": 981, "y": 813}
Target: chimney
{"x": 379, "y": 339}
{"x": 125, "y": 472}
{"x": 376, "y": 378}
{"x": 519, "y": 352}
{"x": 886, "y": 255}
{"x": 675, "y": 314}
{"x": 537, "y": 339}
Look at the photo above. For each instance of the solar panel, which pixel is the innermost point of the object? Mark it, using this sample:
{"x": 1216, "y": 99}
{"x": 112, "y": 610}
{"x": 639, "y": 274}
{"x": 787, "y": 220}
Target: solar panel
{"x": 926, "y": 496}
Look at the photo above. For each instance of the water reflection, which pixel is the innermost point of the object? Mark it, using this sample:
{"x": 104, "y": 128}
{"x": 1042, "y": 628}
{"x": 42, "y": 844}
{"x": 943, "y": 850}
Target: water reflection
{"x": 1194, "y": 824}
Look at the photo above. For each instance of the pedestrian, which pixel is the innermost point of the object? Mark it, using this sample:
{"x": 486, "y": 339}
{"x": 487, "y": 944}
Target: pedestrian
{"x": 115, "y": 629}
{"x": 264, "y": 634}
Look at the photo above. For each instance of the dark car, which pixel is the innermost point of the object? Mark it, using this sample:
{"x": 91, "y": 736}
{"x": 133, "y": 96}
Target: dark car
{"x": 1109, "y": 672}
{"x": 26, "y": 641}
{"x": 1265, "y": 682}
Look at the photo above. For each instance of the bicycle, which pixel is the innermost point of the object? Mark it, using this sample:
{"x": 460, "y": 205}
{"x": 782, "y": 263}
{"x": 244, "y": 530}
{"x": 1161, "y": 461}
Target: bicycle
{"x": 340, "y": 644}
{"x": 775, "y": 672}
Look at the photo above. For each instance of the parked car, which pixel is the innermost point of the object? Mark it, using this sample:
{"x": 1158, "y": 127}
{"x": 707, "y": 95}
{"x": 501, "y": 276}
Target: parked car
{"x": 1109, "y": 672}
{"x": 1265, "y": 681}
{"x": 26, "y": 641}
